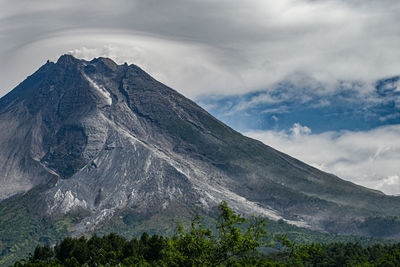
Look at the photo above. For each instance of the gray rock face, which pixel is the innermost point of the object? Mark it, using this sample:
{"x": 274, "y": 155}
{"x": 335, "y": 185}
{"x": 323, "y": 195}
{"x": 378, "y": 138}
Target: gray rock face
{"x": 116, "y": 139}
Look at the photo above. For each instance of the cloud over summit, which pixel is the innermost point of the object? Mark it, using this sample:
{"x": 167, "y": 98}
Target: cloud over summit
{"x": 233, "y": 47}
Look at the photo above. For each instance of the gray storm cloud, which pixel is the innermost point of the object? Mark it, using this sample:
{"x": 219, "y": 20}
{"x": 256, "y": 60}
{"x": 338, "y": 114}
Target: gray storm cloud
{"x": 208, "y": 47}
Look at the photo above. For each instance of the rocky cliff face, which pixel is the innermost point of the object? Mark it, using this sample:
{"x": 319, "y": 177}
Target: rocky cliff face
{"x": 116, "y": 140}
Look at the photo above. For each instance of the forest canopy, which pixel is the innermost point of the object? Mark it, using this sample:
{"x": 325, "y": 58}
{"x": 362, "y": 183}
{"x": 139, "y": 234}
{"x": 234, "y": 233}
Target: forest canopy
{"x": 236, "y": 242}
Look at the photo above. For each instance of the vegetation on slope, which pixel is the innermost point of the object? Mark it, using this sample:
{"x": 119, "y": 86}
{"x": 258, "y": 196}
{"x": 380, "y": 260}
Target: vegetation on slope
{"x": 22, "y": 229}
{"x": 236, "y": 243}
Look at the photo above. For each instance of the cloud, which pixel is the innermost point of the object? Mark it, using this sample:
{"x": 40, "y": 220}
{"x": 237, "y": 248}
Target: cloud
{"x": 299, "y": 131}
{"x": 369, "y": 158}
{"x": 279, "y": 110}
{"x": 209, "y": 47}
{"x": 169, "y": 61}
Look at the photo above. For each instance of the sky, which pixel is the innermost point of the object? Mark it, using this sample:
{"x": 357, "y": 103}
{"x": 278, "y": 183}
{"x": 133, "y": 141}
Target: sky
{"x": 224, "y": 49}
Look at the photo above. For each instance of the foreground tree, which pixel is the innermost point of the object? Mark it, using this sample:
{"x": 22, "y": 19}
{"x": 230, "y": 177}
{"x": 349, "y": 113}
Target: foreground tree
{"x": 233, "y": 243}
{"x": 234, "y": 239}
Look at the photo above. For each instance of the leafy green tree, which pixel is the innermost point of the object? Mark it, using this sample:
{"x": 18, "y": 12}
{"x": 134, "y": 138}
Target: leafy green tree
{"x": 192, "y": 248}
{"x": 234, "y": 243}
{"x": 236, "y": 235}
{"x": 44, "y": 253}
{"x": 232, "y": 240}
{"x": 73, "y": 248}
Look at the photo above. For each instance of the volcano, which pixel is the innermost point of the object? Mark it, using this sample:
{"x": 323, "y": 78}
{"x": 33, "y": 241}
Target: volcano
{"x": 109, "y": 141}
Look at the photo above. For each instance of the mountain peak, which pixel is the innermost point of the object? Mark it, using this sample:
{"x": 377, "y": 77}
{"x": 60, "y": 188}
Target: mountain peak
{"x": 105, "y": 60}
{"x": 67, "y": 59}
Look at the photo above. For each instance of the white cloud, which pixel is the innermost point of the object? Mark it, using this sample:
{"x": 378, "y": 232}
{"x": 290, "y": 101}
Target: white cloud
{"x": 264, "y": 98}
{"x": 280, "y": 110}
{"x": 171, "y": 62}
{"x": 299, "y": 131}
{"x": 390, "y": 185}
{"x": 368, "y": 158}
{"x": 221, "y": 47}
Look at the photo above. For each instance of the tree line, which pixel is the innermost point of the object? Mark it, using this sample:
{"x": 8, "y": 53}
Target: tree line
{"x": 236, "y": 242}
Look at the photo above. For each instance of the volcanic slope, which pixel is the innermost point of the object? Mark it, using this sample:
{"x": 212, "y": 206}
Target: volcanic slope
{"x": 109, "y": 140}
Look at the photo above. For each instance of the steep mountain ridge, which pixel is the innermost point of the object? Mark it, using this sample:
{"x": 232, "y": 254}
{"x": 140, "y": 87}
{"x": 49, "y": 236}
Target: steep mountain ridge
{"x": 115, "y": 140}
